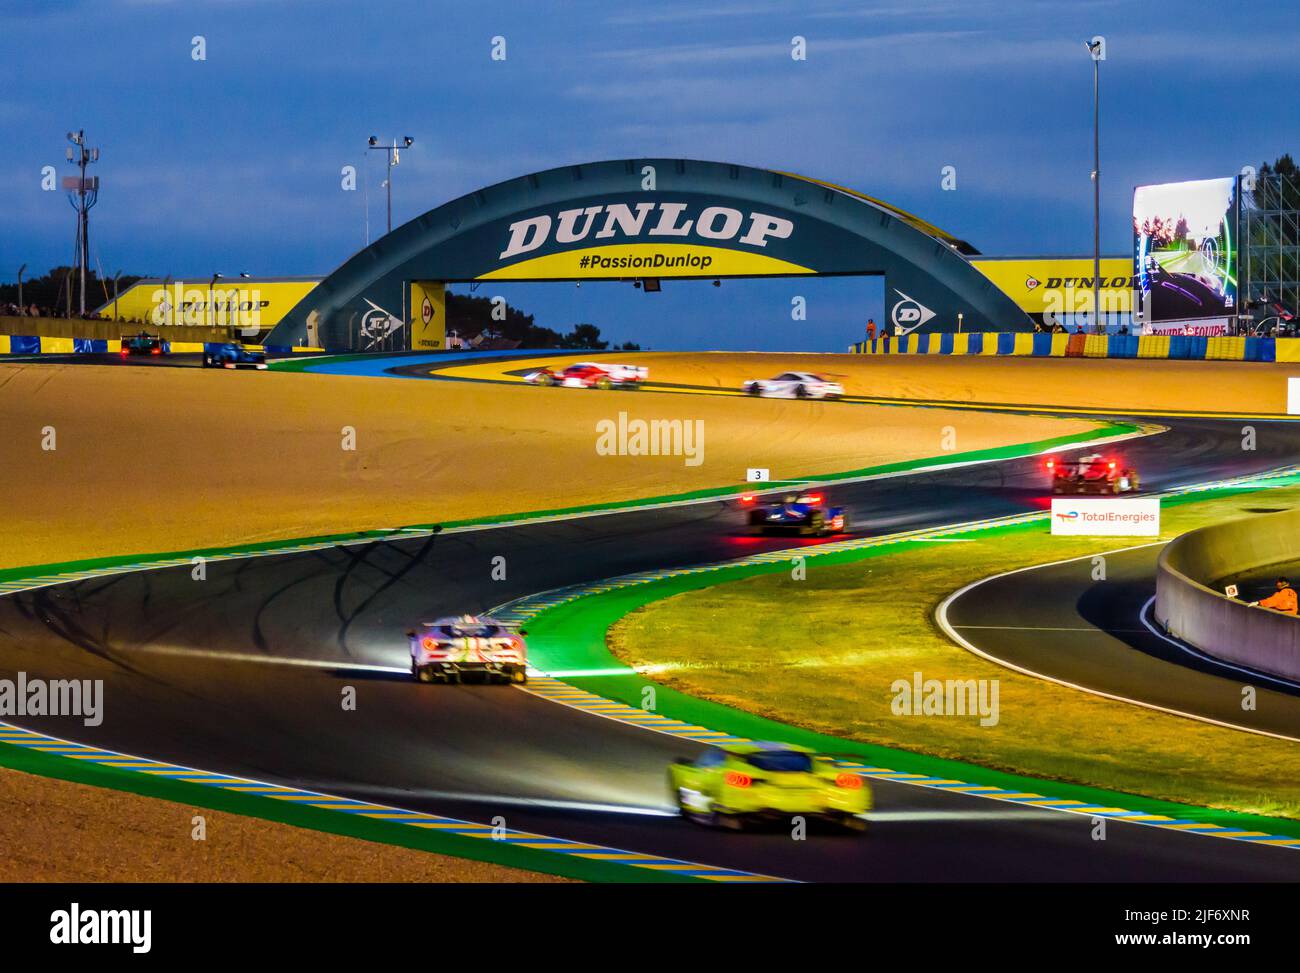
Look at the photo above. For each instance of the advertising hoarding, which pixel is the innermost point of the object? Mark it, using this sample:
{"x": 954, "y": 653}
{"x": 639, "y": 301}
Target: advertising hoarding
{"x": 1185, "y": 255}
{"x": 1106, "y": 516}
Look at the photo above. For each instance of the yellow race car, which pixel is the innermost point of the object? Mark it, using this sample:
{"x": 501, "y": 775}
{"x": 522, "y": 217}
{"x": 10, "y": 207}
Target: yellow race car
{"x": 735, "y": 783}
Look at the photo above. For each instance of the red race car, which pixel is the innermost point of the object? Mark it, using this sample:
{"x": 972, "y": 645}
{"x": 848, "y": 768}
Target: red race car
{"x": 591, "y": 375}
{"x": 1093, "y": 473}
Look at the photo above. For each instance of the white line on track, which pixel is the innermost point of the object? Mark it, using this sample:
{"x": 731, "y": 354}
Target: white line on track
{"x": 1147, "y": 615}
{"x": 941, "y": 617}
{"x": 1052, "y": 628}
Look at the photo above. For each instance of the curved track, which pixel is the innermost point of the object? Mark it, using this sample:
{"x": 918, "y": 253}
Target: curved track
{"x": 1057, "y": 621}
{"x": 241, "y": 673}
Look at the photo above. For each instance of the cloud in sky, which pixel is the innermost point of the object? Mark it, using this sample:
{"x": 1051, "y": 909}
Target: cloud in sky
{"x": 235, "y": 162}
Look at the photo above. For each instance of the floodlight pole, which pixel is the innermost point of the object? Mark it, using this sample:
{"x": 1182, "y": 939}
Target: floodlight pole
{"x": 393, "y": 158}
{"x": 1095, "y": 49}
{"x": 21, "y": 306}
{"x": 86, "y": 198}
{"x": 212, "y": 308}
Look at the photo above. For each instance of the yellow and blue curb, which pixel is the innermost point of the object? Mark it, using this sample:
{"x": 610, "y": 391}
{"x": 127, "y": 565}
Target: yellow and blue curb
{"x": 20, "y": 737}
{"x": 1029, "y": 345}
{"x": 561, "y": 692}
{"x": 13, "y": 344}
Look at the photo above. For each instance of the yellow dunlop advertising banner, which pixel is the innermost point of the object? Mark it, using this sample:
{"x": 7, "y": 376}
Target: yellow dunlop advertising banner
{"x": 250, "y": 305}
{"x": 1060, "y": 285}
{"x": 646, "y": 260}
{"x": 428, "y": 315}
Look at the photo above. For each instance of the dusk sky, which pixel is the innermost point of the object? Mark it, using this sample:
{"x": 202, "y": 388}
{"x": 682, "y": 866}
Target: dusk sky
{"x": 233, "y": 163}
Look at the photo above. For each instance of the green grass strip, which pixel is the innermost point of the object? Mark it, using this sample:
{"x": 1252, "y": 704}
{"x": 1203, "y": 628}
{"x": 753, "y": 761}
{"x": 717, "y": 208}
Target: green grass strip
{"x": 571, "y": 637}
{"x": 65, "y": 768}
{"x": 297, "y": 364}
{"x": 1107, "y": 430}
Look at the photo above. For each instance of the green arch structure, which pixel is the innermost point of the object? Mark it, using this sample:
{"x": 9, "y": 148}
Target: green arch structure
{"x": 654, "y": 218}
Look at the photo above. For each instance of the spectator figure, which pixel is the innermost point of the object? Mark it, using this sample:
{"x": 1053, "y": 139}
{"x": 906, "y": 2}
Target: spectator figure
{"x": 1282, "y": 600}
{"x": 885, "y": 336}
{"x": 871, "y": 329}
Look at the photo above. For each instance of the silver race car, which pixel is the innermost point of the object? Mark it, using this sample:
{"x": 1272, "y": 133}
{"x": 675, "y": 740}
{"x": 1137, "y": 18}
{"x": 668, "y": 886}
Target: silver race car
{"x": 794, "y": 385}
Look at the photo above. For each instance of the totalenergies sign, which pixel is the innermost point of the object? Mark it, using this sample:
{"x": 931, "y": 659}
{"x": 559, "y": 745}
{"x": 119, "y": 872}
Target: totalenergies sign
{"x": 645, "y": 239}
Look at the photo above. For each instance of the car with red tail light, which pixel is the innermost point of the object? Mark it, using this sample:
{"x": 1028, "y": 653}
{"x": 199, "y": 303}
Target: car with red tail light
{"x": 1093, "y": 473}
{"x": 144, "y": 343}
{"x": 806, "y": 514}
{"x": 468, "y": 647}
{"x": 733, "y": 784}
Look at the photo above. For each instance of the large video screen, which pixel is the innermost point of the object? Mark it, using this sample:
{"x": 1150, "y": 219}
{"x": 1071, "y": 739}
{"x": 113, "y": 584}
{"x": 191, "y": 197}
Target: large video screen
{"x": 1185, "y": 251}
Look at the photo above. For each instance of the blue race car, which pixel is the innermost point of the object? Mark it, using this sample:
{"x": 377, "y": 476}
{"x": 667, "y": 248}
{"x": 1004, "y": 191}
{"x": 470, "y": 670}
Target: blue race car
{"x": 231, "y": 354}
{"x": 144, "y": 343}
{"x": 807, "y": 514}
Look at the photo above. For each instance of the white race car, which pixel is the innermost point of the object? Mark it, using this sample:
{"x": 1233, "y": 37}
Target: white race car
{"x": 450, "y": 648}
{"x": 794, "y": 385}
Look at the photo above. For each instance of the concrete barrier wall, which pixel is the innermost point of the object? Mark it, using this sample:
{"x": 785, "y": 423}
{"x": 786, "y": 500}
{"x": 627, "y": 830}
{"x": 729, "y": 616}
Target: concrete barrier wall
{"x": 1220, "y": 626}
{"x": 93, "y": 328}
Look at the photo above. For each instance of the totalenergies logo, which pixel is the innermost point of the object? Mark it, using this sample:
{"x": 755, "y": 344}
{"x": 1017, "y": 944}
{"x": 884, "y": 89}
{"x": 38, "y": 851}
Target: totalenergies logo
{"x": 1067, "y": 515}
{"x": 662, "y": 221}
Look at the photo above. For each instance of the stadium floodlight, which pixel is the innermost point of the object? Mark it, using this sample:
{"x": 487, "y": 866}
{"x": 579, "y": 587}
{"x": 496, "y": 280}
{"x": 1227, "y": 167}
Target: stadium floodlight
{"x": 212, "y": 310}
{"x": 392, "y": 159}
{"x": 82, "y": 198}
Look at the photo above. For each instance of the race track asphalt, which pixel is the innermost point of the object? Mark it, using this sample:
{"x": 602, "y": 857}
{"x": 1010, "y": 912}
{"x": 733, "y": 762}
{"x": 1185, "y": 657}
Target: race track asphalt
{"x": 241, "y": 673}
{"x": 1057, "y": 621}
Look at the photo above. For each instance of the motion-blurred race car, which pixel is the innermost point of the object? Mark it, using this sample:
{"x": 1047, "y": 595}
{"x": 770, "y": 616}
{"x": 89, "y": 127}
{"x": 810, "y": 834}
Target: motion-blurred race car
{"x": 450, "y": 648}
{"x": 1093, "y": 473}
{"x": 232, "y": 354}
{"x": 801, "y": 513}
{"x": 144, "y": 343}
{"x": 735, "y": 783}
{"x": 591, "y": 375}
{"x": 794, "y": 385}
